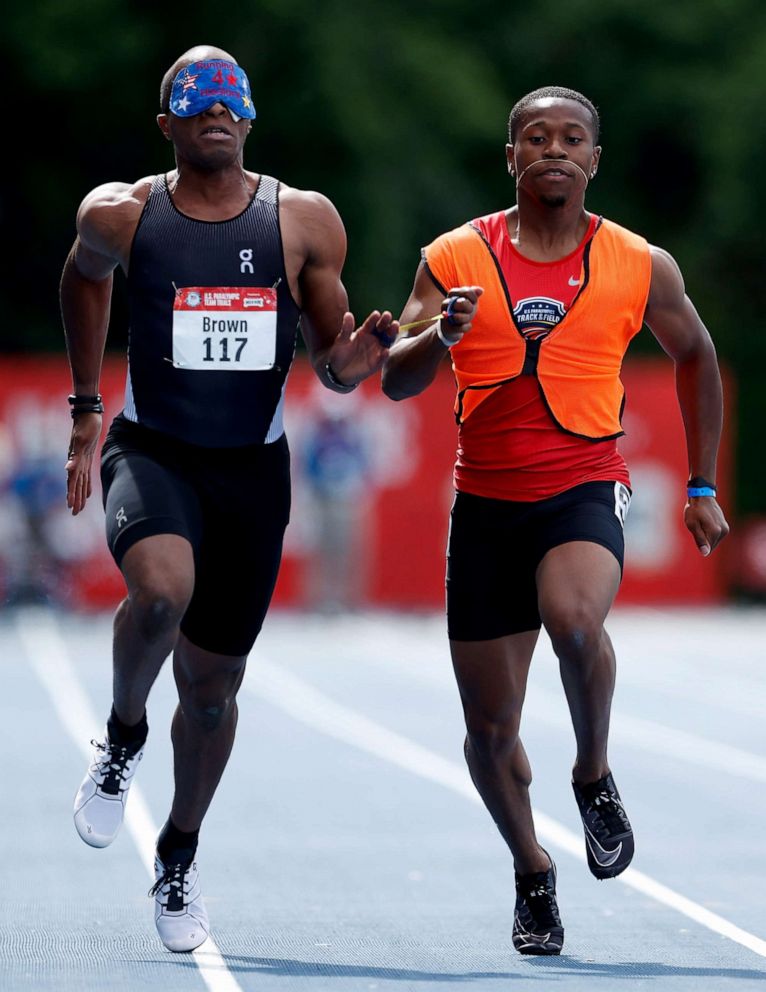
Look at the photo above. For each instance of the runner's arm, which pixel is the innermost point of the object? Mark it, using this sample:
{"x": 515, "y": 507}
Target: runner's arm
{"x": 85, "y": 296}
{"x": 675, "y": 323}
{"x": 414, "y": 358}
{"x": 85, "y": 304}
{"x": 105, "y": 224}
{"x": 328, "y": 327}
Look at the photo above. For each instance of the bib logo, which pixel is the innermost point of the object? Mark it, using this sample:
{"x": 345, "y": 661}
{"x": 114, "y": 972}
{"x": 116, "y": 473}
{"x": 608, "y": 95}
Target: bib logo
{"x": 246, "y": 260}
{"x": 537, "y": 316}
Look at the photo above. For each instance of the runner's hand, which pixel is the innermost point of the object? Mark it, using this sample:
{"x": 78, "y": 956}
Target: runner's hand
{"x": 86, "y": 431}
{"x": 704, "y": 518}
{"x": 358, "y": 353}
{"x": 458, "y": 310}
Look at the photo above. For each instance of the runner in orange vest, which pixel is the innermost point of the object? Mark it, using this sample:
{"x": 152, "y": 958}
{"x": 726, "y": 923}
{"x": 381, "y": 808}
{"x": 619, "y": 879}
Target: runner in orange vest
{"x": 538, "y": 305}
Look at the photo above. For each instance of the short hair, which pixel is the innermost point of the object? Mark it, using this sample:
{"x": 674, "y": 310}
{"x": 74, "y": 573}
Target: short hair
{"x": 199, "y": 53}
{"x": 551, "y": 93}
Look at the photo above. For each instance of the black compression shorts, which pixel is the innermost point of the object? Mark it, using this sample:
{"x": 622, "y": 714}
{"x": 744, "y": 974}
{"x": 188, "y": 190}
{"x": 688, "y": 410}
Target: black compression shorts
{"x": 231, "y": 504}
{"x": 496, "y": 545}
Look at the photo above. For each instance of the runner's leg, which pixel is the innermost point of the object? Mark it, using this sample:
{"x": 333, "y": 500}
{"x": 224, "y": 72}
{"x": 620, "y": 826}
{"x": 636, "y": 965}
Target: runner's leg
{"x": 203, "y": 727}
{"x": 577, "y": 583}
{"x": 159, "y": 573}
{"x": 492, "y": 679}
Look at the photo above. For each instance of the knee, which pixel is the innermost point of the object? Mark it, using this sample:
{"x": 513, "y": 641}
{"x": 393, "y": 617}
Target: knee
{"x": 491, "y": 742}
{"x": 209, "y": 714}
{"x": 574, "y": 633}
{"x": 210, "y": 703}
{"x": 157, "y": 613}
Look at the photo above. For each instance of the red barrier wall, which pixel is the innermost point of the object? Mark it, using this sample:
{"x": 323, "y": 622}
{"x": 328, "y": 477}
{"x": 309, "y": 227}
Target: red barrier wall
{"x": 369, "y": 519}
{"x": 662, "y": 563}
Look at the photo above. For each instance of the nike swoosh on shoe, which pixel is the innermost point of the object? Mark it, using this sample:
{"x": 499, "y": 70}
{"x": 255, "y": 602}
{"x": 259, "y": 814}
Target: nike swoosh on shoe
{"x": 607, "y": 858}
{"x": 534, "y": 939}
{"x": 524, "y": 940}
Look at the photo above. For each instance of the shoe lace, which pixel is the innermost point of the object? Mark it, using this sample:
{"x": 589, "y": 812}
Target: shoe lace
{"x": 112, "y": 764}
{"x": 174, "y": 877}
{"x": 540, "y": 897}
{"x": 608, "y": 808}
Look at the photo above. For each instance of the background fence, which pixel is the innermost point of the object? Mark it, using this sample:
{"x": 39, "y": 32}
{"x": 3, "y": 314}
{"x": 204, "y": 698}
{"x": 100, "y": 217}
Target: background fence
{"x": 372, "y": 493}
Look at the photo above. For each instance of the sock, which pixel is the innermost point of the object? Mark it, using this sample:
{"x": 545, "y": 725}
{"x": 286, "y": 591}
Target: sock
{"x": 124, "y": 736}
{"x": 176, "y": 846}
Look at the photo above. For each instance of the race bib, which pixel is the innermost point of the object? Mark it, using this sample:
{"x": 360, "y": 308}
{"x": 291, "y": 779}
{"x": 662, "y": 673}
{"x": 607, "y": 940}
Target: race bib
{"x": 224, "y": 328}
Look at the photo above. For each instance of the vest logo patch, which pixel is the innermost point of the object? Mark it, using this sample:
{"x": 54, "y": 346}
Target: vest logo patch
{"x": 536, "y": 316}
{"x": 246, "y": 260}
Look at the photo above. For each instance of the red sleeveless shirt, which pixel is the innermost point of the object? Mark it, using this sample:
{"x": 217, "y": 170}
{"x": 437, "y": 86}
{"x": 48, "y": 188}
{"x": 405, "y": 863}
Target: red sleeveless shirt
{"x": 510, "y": 447}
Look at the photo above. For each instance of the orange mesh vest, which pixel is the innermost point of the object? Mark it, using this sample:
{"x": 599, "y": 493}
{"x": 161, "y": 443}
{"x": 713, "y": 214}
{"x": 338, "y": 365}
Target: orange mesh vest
{"x": 578, "y": 363}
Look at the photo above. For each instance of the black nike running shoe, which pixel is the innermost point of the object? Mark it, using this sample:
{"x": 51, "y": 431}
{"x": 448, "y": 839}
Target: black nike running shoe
{"x": 537, "y": 925}
{"x": 608, "y": 834}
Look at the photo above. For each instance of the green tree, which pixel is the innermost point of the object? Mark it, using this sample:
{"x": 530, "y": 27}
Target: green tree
{"x": 397, "y": 111}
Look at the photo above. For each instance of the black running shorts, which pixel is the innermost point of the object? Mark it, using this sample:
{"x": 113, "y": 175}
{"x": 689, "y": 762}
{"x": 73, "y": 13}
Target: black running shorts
{"x": 231, "y": 504}
{"x": 496, "y": 545}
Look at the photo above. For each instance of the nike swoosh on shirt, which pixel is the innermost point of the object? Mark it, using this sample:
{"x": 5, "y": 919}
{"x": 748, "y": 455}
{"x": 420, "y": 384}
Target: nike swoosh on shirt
{"x": 602, "y": 856}
{"x": 573, "y": 281}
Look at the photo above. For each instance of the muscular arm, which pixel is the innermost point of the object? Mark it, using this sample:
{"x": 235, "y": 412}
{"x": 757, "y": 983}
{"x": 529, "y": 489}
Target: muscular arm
{"x": 105, "y": 224}
{"x": 414, "y": 359}
{"x": 313, "y": 230}
{"x": 85, "y": 303}
{"x": 673, "y": 320}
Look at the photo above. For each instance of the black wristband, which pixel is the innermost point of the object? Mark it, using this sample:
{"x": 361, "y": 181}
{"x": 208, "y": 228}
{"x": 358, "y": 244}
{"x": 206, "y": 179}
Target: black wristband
{"x": 698, "y": 482}
{"x": 75, "y": 399}
{"x": 85, "y": 404}
{"x": 342, "y": 387}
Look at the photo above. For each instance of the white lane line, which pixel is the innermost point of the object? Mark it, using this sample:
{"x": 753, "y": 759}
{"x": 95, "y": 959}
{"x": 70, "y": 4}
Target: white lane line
{"x": 46, "y": 650}
{"x": 646, "y": 735}
{"x": 309, "y": 706}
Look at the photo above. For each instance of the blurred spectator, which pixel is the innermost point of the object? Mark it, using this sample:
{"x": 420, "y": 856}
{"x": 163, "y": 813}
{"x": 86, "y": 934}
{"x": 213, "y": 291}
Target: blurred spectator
{"x": 32, "y": 489}
{"x": 336, "y": 466}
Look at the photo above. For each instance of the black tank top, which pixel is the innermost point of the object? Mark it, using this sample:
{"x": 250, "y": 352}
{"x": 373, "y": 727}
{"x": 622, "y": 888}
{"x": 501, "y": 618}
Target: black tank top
{"x": 200, "y": 295}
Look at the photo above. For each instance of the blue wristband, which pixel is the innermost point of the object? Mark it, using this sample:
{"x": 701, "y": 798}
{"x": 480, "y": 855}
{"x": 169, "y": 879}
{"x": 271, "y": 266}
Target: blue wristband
{"x": 451, "y": 310}
{"x": 694, "y": 491}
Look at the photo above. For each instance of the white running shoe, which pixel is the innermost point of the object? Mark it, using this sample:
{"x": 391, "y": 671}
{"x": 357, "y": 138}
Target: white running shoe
{"x": 179, "y": 910}
{"x": 99, "y": 805}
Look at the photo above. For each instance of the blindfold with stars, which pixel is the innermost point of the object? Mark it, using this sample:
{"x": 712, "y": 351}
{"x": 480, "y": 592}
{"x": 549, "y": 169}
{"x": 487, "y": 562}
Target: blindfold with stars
{"x": 200, "y": 85}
